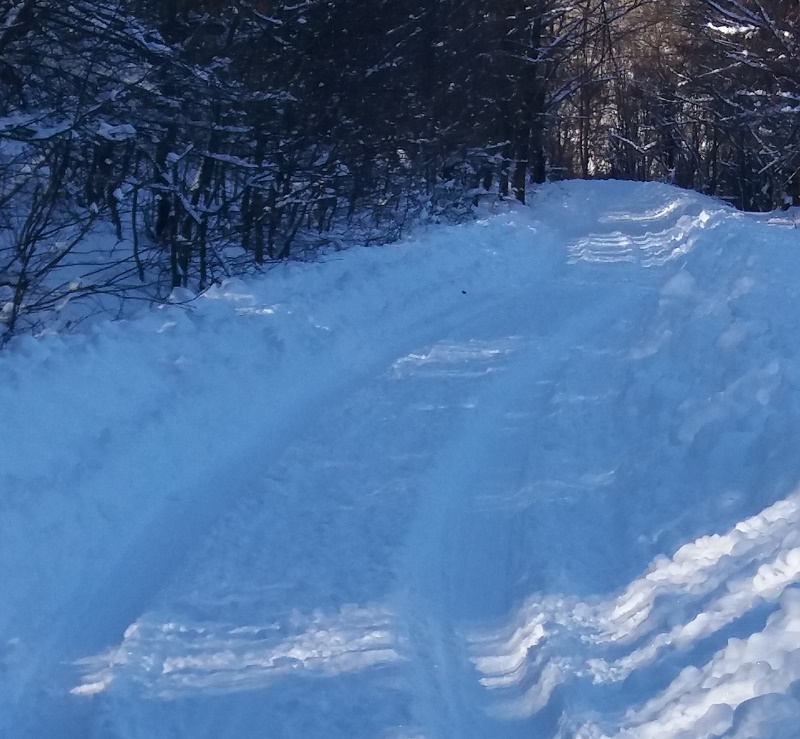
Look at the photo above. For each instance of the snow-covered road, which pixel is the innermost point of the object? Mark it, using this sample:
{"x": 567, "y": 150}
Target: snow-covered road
{"x": 532, "y": 476}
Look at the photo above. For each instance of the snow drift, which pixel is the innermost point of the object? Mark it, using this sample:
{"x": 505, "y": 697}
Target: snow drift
{"x": 531, "y": 476}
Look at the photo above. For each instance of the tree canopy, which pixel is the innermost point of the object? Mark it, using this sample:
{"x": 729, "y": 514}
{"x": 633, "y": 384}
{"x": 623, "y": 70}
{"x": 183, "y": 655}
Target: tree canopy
{"x": 218, "y": 136}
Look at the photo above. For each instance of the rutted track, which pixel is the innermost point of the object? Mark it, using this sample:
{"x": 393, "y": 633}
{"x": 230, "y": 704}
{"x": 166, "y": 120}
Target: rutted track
{"x": 450, "y": 537}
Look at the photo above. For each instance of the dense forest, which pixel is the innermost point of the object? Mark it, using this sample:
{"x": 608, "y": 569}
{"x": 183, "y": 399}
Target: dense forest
{"x": 212, "y": 137}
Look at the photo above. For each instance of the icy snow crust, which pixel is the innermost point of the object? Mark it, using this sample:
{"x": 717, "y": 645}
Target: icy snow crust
{"x": 530, "y": 477}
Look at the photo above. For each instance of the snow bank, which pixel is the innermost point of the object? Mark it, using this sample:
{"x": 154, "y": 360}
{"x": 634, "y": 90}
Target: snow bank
{"x": 114, "y": 440}
{"x": 605, "y": 387}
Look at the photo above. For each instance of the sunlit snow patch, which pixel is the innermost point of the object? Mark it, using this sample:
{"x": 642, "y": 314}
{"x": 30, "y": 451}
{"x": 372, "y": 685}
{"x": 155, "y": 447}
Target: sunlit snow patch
{"x": 666, "y": 235}
{"x": 698, "y": 593}
{"x": 466, "y": 359}
{"x": 167, "y": 658}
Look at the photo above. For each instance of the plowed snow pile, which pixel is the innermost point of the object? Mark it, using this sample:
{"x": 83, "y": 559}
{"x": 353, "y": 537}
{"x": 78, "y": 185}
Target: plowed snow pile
{"x": 535, "y": 476}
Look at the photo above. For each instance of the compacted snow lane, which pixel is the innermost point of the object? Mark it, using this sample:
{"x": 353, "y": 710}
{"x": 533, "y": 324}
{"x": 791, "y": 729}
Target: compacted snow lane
{"x": 534, "y": 479}
{"x": 394, "y": 523}
{"x": 307, "y": 576}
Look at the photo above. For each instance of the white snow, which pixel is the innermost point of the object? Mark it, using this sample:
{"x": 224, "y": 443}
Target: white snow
{"x": 534, "y": 476}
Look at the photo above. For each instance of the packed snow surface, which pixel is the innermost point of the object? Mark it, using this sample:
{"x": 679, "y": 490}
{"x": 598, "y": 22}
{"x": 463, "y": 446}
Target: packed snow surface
{"x": 534, "y": 476}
